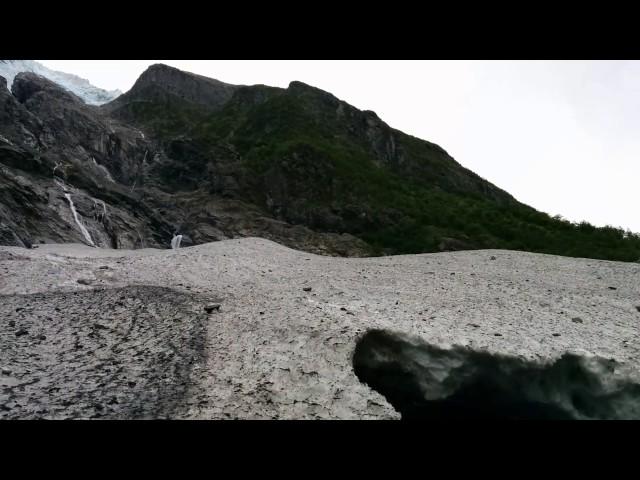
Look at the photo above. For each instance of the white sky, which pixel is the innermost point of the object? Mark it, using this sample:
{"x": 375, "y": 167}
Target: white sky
{"x": 561, "y": 136}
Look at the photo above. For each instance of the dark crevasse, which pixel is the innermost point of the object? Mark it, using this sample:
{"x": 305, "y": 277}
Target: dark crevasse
{"x": 424, "y": 382}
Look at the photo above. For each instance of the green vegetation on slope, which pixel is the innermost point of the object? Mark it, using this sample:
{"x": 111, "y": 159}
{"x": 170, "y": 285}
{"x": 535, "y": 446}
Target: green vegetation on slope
{"x": 317, "y": 161}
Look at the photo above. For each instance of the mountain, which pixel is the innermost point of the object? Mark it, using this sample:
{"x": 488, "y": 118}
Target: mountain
{"x": 79, "y": 86}
{"x": 182, "y": 152}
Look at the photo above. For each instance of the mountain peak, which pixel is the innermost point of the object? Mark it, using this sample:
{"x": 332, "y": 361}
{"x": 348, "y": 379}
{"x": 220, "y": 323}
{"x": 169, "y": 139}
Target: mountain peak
{"x": 297, "y": 86}
{"x": 195, "y": 88}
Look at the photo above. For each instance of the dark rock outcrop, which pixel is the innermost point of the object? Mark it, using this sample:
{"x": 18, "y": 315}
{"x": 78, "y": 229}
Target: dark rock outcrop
{"x": 424, "y": 382}
{"x": 28, "y": 86}
{"x": 160, "y": 80}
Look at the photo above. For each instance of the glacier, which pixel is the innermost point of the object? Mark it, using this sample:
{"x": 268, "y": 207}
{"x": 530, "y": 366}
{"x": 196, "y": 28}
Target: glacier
{"x": 89, "y": 93}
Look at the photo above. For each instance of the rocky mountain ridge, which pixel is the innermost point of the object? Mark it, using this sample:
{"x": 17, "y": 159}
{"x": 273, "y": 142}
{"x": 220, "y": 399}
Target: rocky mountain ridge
{"x": 183, "y": 153}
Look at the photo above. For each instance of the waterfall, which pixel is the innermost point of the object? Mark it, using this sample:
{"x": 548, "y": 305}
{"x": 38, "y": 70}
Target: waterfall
{"x": 61, "y": 183}
{"x": 83, "y": 229}
{"x": 175, "y": 241}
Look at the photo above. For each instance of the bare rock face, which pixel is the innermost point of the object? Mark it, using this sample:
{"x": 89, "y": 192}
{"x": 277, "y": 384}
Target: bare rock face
{"x": 55, "y": 145}
{"x": 128, "y": 189}
{"x": 29, "y": 86}
{"x": 160, "y": 80}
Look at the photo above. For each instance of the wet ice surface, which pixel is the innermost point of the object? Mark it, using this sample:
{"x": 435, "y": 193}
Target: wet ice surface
{"x": 275, "y": 350}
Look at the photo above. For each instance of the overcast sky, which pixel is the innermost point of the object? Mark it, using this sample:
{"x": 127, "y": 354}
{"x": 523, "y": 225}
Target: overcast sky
{"x": 561, "y": 136}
